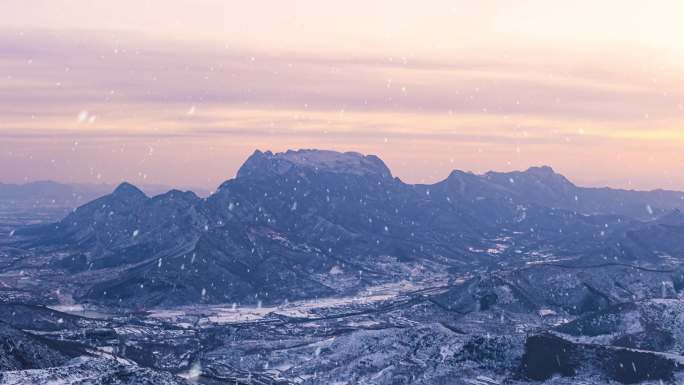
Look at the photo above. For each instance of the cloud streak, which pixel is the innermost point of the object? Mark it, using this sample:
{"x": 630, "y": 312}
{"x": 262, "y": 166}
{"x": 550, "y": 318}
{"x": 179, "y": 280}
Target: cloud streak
{"x": 55, "y": 72}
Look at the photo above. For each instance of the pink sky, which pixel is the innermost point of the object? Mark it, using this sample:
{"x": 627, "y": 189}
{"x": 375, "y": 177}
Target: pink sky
{"x": 181, "y": 92}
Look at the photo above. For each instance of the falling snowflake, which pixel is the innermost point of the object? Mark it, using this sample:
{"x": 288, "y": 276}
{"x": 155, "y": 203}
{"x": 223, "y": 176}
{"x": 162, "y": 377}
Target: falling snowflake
{"x": 82, "y": 116}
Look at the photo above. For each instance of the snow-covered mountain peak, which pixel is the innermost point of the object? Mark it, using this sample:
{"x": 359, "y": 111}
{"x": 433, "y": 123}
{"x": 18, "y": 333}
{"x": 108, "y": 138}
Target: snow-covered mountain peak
{"x": 265, "y": 163}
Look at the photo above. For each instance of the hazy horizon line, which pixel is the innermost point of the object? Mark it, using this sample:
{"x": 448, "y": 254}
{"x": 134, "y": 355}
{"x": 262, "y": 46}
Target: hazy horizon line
{"x": 212, "y": 189}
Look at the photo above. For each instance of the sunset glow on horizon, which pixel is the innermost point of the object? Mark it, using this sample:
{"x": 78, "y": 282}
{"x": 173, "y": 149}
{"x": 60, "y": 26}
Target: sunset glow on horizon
{"x": 180, "y": 92}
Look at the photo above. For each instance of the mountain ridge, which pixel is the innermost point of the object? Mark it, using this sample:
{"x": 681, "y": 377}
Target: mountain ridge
{"x": 276, "y": 231}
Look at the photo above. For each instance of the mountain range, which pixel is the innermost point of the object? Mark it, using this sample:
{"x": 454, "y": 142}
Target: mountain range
{"x": 312, "y": 223}
{"x": 50, "y": 193}
{"x": 316, "y": 267}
